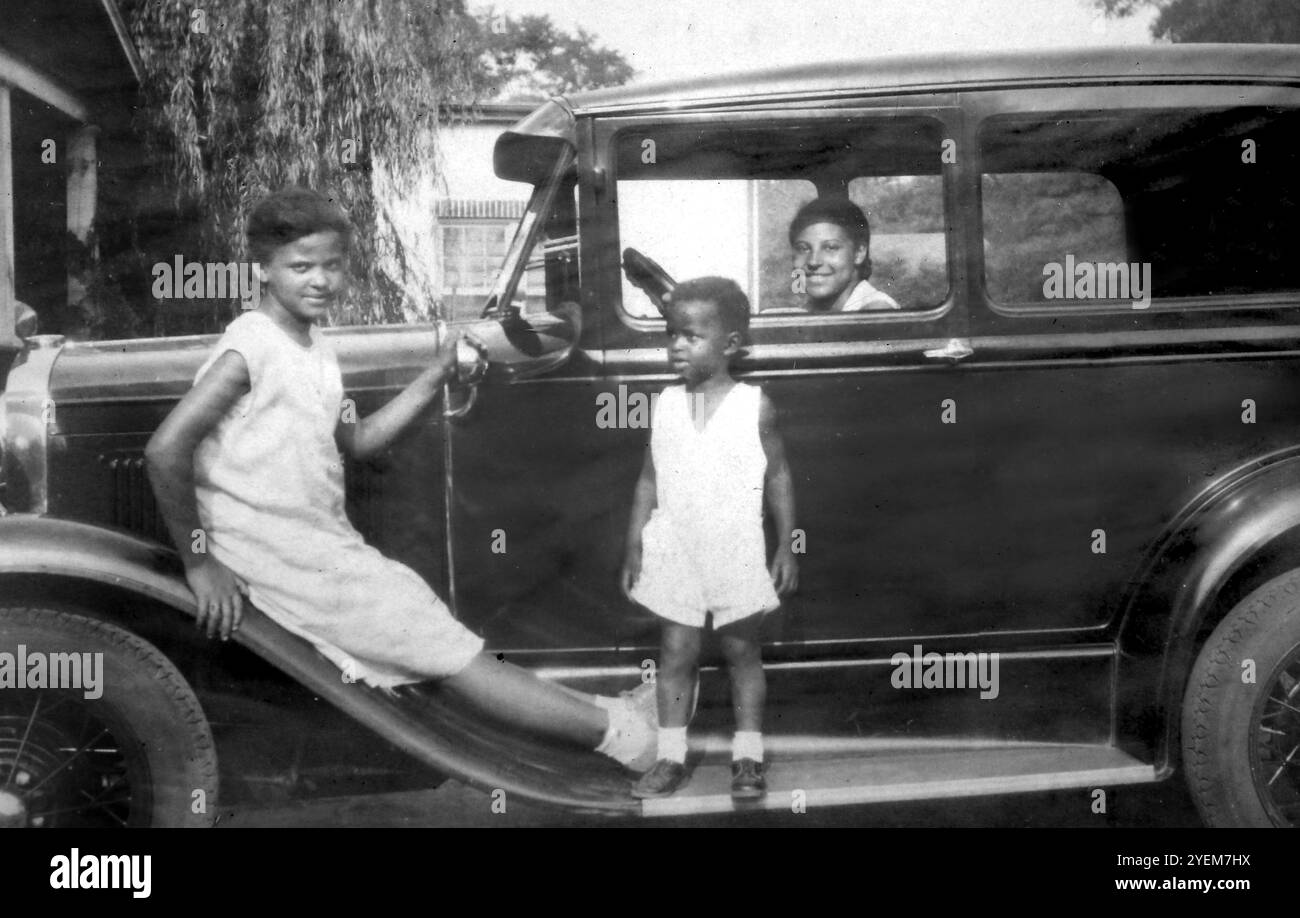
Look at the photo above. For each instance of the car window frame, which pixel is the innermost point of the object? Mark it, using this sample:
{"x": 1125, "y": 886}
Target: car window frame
{"x": 942, "y": 107}
{"x": 1058, "y": 102}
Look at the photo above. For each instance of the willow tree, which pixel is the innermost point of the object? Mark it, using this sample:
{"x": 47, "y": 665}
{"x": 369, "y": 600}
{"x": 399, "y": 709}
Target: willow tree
{"x": 1249, "y": 21}
{"x": 243, "y": 97}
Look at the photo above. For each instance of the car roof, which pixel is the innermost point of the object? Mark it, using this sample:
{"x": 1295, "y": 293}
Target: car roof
{"x": 1130, "y": 63}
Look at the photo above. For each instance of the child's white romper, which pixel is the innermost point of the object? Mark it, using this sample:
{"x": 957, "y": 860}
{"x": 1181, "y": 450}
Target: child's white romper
{"x": 269, "y": 481}
{"x": 702, "y": 549}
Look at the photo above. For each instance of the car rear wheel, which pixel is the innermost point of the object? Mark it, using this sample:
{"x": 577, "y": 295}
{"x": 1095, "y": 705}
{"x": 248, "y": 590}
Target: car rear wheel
{"x": 1241, "y": 712}
{"x": 118, "y": 739}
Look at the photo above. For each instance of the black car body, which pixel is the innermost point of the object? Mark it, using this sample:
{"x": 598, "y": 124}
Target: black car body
{"x": 1098, "y": 495}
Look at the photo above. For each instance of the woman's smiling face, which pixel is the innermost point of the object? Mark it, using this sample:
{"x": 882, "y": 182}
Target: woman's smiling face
{"x": 829, "y": 259}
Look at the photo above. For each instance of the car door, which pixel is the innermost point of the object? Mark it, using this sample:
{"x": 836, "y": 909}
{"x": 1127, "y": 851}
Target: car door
{"x": 889, "y": 538}
{"x": 1117, "y": 396}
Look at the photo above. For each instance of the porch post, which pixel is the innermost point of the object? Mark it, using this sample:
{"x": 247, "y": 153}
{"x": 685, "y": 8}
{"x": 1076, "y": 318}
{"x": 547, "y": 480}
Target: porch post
{"x": 82, "y": 188}
{"x": 8, "y": 337}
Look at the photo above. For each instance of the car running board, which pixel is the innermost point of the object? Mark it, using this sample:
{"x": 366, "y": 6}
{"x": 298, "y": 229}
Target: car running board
{"x": 810, "y": 772}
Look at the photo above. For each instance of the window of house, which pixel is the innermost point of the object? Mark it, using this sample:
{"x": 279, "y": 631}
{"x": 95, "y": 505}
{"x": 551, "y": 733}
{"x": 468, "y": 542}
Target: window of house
{"x": 472, "y": 252}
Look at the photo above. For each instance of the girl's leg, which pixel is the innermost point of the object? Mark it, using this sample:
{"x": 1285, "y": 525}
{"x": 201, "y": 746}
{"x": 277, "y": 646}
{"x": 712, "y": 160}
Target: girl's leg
{"x": 743, "y": 651}
{"x": 679, "y": 656}
{"x": 517, "y": 697}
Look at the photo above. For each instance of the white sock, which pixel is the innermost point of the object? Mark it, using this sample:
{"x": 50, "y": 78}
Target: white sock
{"x": 628, "y": 738}
{"x": 747, "y": 744}
{"x": 672, "y": 744}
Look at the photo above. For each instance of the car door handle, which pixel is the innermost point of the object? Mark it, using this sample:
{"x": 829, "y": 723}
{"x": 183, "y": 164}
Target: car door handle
{"x": 956, "y": 349}
{"x": 470, "y": 368}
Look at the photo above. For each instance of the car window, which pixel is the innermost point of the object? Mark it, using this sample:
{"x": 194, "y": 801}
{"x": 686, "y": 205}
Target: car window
{"x": 1191, "y": 204}
{"x": 907, "y": 236}
{"x": 1030, "y": 218}
{"x": 709, "y": 201}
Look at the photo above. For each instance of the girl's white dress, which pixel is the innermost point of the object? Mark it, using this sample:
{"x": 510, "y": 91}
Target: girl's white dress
{"x": 702, "y": 550}
{"x": 269, "y": 481}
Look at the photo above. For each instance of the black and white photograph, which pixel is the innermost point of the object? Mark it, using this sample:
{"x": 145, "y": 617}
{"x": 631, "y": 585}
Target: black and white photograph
{"x": 593, "y": 413}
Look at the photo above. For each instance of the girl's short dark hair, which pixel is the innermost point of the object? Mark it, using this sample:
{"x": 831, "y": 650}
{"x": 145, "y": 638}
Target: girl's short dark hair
{"x": 733, "y": 305}
{"x": 292, "y": 213}
{"x": 841, "y": 212}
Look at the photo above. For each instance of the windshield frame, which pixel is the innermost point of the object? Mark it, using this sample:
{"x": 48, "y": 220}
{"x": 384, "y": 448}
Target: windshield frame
{"x": 527, "y": 233}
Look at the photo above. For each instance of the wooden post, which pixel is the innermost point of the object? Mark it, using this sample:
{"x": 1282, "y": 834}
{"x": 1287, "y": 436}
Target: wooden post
{"x": 8, "y": 337}
{"x": 83, "y": 180}
{"x": 82, "y": 187}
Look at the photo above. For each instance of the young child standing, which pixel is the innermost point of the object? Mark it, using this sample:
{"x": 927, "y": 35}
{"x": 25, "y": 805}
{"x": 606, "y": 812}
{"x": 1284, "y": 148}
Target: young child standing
{"x": 695, "y": 541}
{"x": 251, "y": 456}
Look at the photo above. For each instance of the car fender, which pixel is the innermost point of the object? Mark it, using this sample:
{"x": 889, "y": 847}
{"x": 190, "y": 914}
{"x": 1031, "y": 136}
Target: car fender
{"x": 1239, "y": 532}
{"x": 431, "y": 725}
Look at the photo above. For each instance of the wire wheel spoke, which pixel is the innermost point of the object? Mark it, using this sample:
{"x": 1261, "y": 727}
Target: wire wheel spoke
{"x": 89, "y": 804}
{"x": 22, "y": 743}
{"x": 1285, "y": 762}
{"x": 1276, "y": 755}
{"x": 69, "y": 760}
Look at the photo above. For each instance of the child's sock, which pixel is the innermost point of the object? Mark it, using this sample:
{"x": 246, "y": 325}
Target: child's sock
{"x": 672, "y": 744}
{"x": 629, "y": 738}
{"x": 747, "y": 744}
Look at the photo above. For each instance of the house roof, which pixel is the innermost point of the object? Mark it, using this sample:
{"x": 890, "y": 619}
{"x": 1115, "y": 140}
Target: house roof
{"x": 80, "y": 45}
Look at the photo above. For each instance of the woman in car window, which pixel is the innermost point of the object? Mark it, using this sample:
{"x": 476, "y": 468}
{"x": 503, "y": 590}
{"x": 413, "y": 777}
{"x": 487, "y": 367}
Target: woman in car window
{"x": 832, "y": 255}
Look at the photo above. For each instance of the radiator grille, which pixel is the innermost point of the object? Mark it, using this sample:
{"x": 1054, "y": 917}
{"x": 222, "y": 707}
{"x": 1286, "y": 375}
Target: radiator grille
{"x": 133, "y": 506}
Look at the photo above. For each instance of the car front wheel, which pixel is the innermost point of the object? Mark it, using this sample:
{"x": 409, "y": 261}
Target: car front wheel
{"x": 1241, "y": 712}
{"x": 97, "y": 728}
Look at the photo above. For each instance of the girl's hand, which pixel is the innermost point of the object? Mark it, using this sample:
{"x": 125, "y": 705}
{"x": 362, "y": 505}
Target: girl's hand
{"x": 631, "y": 572}
{"x": 785, "y": 572}
{"x": 217, "y": 590}
{"x": 444, "y": 361}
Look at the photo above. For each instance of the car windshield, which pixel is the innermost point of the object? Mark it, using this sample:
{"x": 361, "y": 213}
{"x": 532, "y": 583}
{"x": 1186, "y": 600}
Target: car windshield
{"x": 540, "y": 269}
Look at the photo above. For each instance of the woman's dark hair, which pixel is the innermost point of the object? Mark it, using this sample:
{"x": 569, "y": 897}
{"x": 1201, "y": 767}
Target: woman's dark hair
{"x": 842, "y": 213}
{"x": 289, "y": 214}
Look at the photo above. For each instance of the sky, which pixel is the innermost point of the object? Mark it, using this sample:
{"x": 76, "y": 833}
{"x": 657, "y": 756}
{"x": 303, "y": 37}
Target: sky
{"x": 676, "y": 39}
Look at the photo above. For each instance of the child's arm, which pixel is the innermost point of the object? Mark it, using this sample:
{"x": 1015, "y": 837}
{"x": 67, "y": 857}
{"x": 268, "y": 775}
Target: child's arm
{"x": 369, "y": 436}
{"x": 779, "y": 489}
{"x": 643, "y": 502}
{"x": 169, "y": 458}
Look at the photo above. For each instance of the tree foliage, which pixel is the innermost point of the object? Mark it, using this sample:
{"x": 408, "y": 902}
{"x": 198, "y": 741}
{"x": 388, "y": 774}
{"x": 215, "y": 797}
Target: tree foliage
{"x": 530, "y": 55}
{"x": 1251, "y": 21}
{"x": 242, "y": 97}
{"x": 246, "y": 97}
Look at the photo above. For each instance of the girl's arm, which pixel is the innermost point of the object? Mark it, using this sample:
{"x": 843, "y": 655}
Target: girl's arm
{"x": 643, "y": 501}
{"x": 778, "y": 487}
{"x": 369, "y": 436}
{"x": 169, "y": 458}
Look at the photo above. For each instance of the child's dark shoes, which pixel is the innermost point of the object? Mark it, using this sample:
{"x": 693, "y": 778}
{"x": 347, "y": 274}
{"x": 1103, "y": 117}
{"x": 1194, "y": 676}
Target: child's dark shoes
{"x": 747, "y": 781}
{"x": 661, "y": 780}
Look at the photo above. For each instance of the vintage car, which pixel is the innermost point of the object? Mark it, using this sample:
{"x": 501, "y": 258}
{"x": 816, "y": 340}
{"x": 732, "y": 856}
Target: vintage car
{"x": 1048, "y": 509}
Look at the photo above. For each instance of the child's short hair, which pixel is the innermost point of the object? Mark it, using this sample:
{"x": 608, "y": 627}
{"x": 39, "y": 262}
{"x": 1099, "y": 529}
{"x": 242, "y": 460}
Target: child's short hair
{"x": 733, "y": 305}
{"x": 289, "y": 214}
